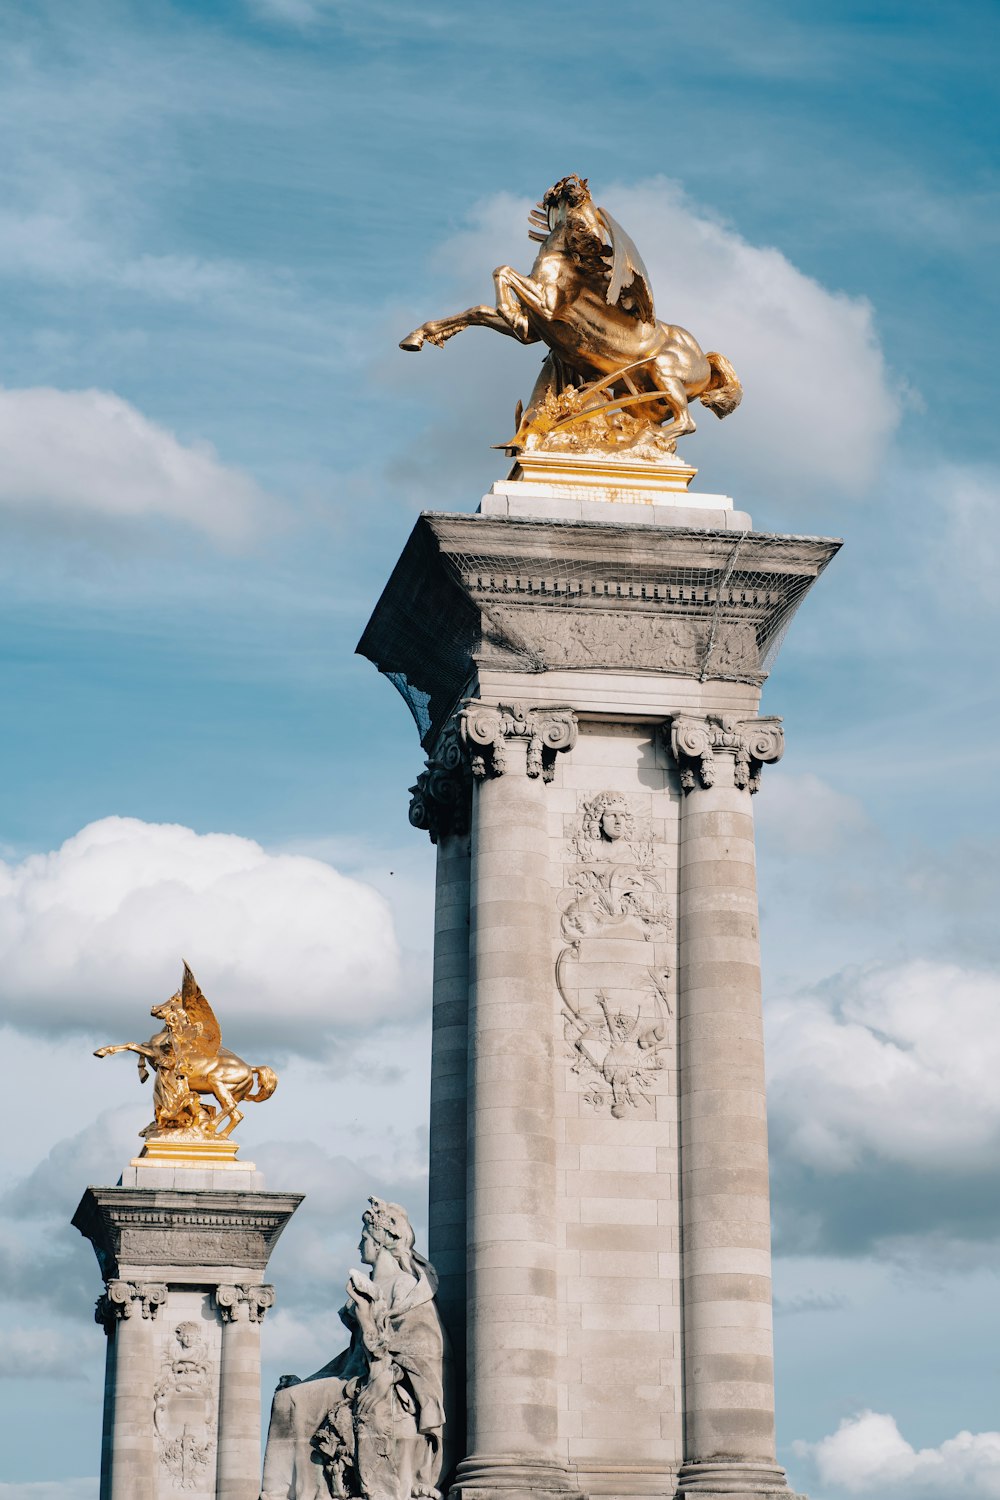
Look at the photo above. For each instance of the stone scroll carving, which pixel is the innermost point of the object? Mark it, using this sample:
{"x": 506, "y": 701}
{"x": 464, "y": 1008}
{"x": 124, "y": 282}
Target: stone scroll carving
{"x": 614, "y": 1048}
{"x": 120, "y": 1299}
{"x": 441, "y": 799}
{"x": 230, "y": 1300}
{"x": 184, "y": 1409}
{"x": 695, "y": 744}
{"x": 485, "y": 731}
{"x": 372, "y": 1420}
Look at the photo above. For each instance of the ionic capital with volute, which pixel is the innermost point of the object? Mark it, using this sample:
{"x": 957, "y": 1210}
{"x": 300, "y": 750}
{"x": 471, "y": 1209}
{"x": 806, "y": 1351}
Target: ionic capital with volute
{"x": 441, "y": 798}
{"x": 696, "y": 742}
{"x": 230, "y": 1300}
{"x": 487, "y": 729}
{"x": 121, "y": 1298}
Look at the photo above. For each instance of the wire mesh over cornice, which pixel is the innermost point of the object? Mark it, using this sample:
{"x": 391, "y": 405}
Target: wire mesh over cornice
{"x": 535, "y": 596}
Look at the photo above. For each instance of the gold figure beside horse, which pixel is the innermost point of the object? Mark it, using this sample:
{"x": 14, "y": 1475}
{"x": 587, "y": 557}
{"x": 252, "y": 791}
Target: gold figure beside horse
{"x": 615, "y": 376}
{"x": 189, "y": 1062}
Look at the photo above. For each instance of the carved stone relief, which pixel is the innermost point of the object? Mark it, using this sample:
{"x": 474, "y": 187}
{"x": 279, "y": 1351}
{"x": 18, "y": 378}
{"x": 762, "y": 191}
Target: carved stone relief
{"x": 696, "y": 742}
{"x": 614, "y": 1045}
{"x": 184, "y": 1409}
{"x": 609, "y": 639}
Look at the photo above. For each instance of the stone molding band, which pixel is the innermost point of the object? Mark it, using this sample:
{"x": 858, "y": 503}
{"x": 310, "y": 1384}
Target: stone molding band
{"x": 256, "y": 1299}
{"x": 120, "y": 1299}
{"x": 695, "y": 744}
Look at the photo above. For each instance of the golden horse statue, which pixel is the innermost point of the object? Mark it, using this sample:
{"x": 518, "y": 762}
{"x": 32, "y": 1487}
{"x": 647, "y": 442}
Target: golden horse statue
{"x": 612, "y": 364}
{"x": 189, "y": 1061}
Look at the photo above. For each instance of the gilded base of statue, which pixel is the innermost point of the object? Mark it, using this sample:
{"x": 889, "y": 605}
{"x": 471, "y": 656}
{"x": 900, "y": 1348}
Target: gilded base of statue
{"x": 173, "y": 1150}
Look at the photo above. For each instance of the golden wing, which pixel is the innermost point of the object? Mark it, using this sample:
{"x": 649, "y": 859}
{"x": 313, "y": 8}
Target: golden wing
{"x": 628, "y": 274}
{"x": 201, "y": 1036}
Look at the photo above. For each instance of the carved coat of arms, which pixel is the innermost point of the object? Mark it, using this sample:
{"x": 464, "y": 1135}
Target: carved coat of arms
{"x": 615, "y": 1046}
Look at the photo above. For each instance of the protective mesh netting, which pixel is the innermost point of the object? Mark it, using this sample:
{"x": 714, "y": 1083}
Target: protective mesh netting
{"x": 681, "y": 601}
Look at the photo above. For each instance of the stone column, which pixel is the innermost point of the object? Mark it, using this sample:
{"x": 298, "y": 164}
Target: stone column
{"x": 725, "y": 1203}
{"x": 511, "y": 1236}
{"x": 241, "y": 1309}
{"x": 441, "y": 805}
{"x": 127, "y": 1310}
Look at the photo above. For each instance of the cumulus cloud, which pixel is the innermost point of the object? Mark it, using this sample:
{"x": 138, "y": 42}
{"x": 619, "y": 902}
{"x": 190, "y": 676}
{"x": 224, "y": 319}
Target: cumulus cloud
{"x": 820, "y": 406}
{"x": 897, "y": 1063}
{"x": 289, "y": 950}
{"x": 868, "y": 1455}
{"x": 92, "y": 456}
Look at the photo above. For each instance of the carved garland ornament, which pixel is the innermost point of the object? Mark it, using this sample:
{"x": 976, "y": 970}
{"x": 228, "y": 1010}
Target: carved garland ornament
{"x": 485, "y": 731}
{"x": 184, "y": 1409}
{"x": 753, "y": 743}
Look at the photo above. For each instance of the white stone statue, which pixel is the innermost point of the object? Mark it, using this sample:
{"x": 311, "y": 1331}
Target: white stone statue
{"x": 370, "y": 1424}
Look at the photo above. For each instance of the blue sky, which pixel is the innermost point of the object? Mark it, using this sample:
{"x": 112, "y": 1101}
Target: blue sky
{"x": 216, "y": 221}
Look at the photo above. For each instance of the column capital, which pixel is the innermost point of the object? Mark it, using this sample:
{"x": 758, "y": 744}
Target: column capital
{"x": 486, "y": 728}
{"x": 230, "y": 1300}
{"x": 441, "y": 798}
{"x": 696, "y": 740}
{"x": 121, "y": 1298}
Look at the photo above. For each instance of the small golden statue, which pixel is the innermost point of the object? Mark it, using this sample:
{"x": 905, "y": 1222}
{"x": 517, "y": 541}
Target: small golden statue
{"x": 616, "y": 379}
{"x": 188, "y": 1062}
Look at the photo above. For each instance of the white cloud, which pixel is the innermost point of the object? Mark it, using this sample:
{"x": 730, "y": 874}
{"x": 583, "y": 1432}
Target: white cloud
{"x": 869, "y": 1455}
{"x": 289, "y": 950}
{"x": 91, "y": 455}
{"x": 896, "y": 1062}
{"x": 819, "y": 408}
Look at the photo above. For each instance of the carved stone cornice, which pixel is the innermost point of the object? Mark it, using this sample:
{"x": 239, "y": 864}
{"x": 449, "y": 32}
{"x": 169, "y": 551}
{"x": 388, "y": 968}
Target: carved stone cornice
{"x": 121, "y": 1298}
{"x": 441, "y": 799}
{"x": 230, "y": 1300}
{"x": 485, "y": 730}
{"x": 695, "y": 742}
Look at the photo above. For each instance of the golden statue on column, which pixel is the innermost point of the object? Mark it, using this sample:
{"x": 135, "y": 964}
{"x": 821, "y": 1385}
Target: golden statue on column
{"x": 616, "y": 379}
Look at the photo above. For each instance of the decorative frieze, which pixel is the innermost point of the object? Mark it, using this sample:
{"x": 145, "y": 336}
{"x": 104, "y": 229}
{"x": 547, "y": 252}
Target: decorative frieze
{"x": 485, "y": 730}
{"x": 231, "y": 1299}
{"x": 441, "y": 799}
{"x": 121, "y": 1298}
{"x": 695, "y": 744}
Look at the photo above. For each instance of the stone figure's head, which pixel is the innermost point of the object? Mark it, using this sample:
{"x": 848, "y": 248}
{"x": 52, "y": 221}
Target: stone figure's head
{"x": 608, "y": 818}
{"x": 187, "y": 1335}
{"x": 386, "y": 1226}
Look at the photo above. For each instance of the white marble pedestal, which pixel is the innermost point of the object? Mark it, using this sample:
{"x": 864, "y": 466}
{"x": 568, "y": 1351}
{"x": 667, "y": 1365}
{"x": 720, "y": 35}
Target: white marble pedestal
{"x": 184, "y": 1299}
{"x": 585, "y": 674}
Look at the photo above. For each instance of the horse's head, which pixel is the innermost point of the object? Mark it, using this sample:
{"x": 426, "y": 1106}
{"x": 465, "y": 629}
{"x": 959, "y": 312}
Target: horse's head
{"x": 171, "y": 1010}
{"x": 571, "y": 191}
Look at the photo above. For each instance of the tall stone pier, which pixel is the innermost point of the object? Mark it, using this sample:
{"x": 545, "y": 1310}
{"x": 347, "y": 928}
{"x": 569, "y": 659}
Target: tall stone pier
{"x": 584, "y": 659}
{"x": 183, "y": 1254}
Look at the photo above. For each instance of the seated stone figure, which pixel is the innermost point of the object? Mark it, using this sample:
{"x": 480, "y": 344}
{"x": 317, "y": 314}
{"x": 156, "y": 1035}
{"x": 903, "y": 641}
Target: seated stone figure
{"x": 370, "y": 1424}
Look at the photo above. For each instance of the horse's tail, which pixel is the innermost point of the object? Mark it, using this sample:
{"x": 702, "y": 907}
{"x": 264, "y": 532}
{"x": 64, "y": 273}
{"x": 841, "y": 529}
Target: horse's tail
{"x": 724, "y": 392}
{"x": 267, "y": 1082}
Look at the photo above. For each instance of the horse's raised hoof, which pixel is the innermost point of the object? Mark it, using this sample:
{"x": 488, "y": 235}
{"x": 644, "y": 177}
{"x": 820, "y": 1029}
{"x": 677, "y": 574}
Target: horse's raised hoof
{"x": 413, "y": 341}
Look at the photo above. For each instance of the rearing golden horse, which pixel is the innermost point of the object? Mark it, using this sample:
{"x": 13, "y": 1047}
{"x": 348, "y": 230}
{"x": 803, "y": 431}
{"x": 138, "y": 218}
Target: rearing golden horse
{"x": 588, "y": 298}
{"x": 189, "y": 1061}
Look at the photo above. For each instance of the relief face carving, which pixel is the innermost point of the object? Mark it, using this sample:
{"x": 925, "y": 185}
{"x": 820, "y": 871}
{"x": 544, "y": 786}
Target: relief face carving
{"x": 184, "y": 1409}
{"x": 614, "y": 1045}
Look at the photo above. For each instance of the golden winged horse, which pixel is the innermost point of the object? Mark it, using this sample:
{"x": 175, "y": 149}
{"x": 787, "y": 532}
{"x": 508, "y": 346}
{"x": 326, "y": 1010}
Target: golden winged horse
{"x": 189, "y": 1061}
{"x": 588, "y": 298}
